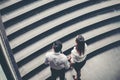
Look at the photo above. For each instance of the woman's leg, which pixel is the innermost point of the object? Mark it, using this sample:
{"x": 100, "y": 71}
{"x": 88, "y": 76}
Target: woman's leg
{"x": 80, "y": 66}
{"x": 78, "y": 70}
{"x": 78, "y": 73}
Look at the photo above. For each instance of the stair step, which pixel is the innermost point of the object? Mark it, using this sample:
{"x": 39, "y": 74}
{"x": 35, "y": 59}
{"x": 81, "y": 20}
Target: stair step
{"x": 91, "y": 34}
{"x": 23, "y": 10}
{"x": 40, "y": 59}
{"x": 59, "y": 27}
{"x": 44, "y": 42}
{"x": 94, "y": 47}
{"x": 54, "y": 16}
{"x": 67, "y": 46}
{"x": 39, "y": 30}
{"x": 13, "y": 28}
{"x": 8, "y": 3}
{"x": 98, "y": 21}
{"x": 15, "y": 6}
{"x": 32, "y": 13}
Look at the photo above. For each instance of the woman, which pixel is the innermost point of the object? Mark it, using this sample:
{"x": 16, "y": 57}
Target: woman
{"x": 78, "y": 55}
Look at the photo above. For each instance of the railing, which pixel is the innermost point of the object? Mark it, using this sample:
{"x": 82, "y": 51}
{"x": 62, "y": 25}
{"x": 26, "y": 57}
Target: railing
{"x": 6, "y": 57}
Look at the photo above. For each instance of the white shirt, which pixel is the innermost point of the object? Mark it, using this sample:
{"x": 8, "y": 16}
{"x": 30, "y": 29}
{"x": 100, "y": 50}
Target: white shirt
{"x": 57, "y": 61}
{"x": 75, "y": 57}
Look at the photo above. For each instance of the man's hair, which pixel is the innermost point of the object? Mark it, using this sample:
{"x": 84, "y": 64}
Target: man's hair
{"x": 57, "y": 46}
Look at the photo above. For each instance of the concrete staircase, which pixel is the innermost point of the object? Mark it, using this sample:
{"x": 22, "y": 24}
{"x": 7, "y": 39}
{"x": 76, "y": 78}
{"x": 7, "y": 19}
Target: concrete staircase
{"x": 33, "y": 26}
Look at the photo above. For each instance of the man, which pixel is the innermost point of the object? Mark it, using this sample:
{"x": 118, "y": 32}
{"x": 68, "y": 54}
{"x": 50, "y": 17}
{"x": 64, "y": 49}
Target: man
{"x": 58, "y": 61}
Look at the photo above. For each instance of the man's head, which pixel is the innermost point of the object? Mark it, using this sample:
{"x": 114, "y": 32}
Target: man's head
{"x": 57, "y": 46}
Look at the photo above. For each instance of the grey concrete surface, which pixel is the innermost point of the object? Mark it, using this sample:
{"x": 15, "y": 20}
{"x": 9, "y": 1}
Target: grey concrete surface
{"x": 105, "y": 66}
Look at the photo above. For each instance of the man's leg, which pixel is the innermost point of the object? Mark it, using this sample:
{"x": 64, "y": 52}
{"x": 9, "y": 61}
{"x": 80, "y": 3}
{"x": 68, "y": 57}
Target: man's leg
{"x": 62, "y": 74}
{"x": 54, "y": 74}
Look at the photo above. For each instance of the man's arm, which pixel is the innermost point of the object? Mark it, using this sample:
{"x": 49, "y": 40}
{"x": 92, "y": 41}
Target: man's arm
{"x": 67, "y": 64}
{"x": 46, "y": 59}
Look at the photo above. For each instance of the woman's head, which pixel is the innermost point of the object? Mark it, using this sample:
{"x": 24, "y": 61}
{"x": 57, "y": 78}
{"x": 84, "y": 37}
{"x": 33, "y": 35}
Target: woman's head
{"x": 57, "y": 46}
{"x": 80, "y": 39}
{"x": 80, "y": 44}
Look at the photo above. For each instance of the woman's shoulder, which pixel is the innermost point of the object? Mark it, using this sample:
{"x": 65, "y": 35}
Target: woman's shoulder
{"x": 86, "y": 45}
{"x": 74, "y": 51}
{"x": 74, "y": 48}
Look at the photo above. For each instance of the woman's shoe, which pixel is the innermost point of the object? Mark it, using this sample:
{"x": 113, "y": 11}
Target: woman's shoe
{"x": 75, "y": 78}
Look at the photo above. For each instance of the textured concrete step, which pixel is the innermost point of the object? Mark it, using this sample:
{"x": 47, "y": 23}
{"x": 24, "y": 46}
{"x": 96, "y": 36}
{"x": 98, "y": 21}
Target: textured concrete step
{"x": 70, "y": 36}
{"x": 44, "y": 42}
{"x": 39, "y": 30}
{"x": 87, "y": 35}
{"x": 61, "y": 26}
{"x": 33, "y": 68}
{"x": 43, "y": 57}
{"x": 40, "y": 59}
{"x": 29, "y": 14}
{"x": 93, "y": 33}
{"x": 15, "y": 6}
{"x": 23, "y": 10}
{"x": 47, "y": 19}
{"x": 40, "y": 16}
{"x": 95, "y": 46}
{"x": 8, "y": 3}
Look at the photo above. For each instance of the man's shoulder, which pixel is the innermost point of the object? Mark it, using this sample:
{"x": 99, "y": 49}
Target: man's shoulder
{"x": 63, "y": 55}
{"x": 48, "y": 54}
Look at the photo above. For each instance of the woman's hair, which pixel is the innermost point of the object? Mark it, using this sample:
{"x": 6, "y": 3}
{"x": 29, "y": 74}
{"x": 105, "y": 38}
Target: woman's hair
{"x": 57, "y": 46}
{"x": 80, "y": 44}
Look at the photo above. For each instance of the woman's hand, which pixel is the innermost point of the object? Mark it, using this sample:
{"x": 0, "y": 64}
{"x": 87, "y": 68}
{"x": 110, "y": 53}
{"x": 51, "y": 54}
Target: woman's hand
{"x": 69, "y": 58}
